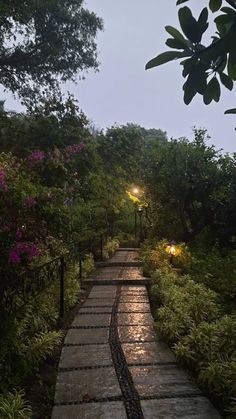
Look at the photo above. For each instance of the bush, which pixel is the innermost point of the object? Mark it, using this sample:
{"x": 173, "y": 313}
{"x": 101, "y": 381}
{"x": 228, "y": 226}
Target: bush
{"x": 88, "y": 265}
{"x": 13, "y": 406}
{"x": 185, "y": 304}
{"x": 217, "y": 270}
{"x": 203, "y": 339}
{"x": 110, "y": 248}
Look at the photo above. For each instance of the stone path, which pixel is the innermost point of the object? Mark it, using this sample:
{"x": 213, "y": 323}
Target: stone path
{"x": 114, "y": 366}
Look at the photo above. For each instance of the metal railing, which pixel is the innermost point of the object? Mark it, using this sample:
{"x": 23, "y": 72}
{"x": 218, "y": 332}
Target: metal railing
{"x": 35, "y": 280}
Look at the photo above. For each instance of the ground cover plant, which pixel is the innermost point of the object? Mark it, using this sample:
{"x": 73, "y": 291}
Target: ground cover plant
{"x": 193, "y": 316}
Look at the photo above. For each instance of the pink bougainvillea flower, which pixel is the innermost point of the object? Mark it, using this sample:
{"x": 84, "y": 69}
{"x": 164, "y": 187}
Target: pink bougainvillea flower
{"x": 14, "y": 257}
{"x": 33, "y": 251}
{"x": 36, "y": 157}
{"x": 30, "y": 201}
{"x": 24, "y": 249}
{"x": 72, "y": 150}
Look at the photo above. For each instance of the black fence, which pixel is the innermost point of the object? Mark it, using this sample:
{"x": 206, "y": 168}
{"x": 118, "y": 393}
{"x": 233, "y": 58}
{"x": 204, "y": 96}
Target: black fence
{"x": 20, "y": 288}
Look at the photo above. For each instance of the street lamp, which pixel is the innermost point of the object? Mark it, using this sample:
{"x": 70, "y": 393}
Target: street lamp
{"x": 136, "y": 193}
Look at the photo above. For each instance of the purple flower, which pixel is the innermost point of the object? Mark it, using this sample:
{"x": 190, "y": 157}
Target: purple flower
{"x": 29, "y": 250}
{"x": 73, "y": 150}
{"x": 30, "y": 201}
{"x": 36, "y": 157}
{"x": 33, "y": 251}
{"x": 14, "y": 257}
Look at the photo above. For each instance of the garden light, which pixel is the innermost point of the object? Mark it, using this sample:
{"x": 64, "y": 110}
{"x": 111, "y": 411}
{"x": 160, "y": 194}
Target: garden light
{"x": 171, "y": 250}
{"x": 135, "y": 191}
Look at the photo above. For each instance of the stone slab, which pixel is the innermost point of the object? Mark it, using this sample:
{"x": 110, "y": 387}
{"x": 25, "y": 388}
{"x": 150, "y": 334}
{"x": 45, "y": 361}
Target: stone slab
{"x": 103, "y": 288}
{"x": 134, "y": 298}
{"x": 100, "y": 309}
{"x": 162, "y": 381}
{"x": 132, "y": 273}
{"x": 85, "y": 356}
{"x": 186, "y": 408}
{"x": 83, "y": 336}
{"x": 135, "y": 319}
{"x": 92, "y": 320}
{"x": 131, "y": 288}
{"x": 102, "y": 294}
{"x": 149, "y": 352}
{"x": 134, "y": 307}
{"x": 99, "y": 302}
{"x": 73, "y": 386}
{"x": 109, "y": 410}
{"x": 136, "y": 333}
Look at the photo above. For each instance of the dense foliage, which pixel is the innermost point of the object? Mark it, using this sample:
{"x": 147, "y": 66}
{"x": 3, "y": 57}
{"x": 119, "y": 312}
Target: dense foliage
{"x": 43, "y": 42}
{"x": 205, "y": 68}
{"x": 191, "y": 188}
{"x": 196, "y": 313}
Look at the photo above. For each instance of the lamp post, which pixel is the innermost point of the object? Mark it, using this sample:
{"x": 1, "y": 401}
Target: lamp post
{"x": 135, "y": 192}
{"x": 140, "y": 213}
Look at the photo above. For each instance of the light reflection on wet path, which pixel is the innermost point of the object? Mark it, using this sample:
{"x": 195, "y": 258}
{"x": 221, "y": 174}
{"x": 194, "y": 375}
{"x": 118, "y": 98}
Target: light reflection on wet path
{"x": 113, "y": 363}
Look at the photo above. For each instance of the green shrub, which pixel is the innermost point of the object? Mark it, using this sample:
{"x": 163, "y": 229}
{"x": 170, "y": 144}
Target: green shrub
{"x": 13, "y": 406}
{"x": 127, "y": 240}
{"x": 110, "y": 248}
{"x": 88, "y": 265}
{"x": 217, "y": 270}
{"x": 185, "y": 304}
{"x": 209, "y": 342}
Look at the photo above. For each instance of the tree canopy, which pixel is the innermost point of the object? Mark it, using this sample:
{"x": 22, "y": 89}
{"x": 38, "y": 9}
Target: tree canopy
{"x": 43, "y": 42}
{"x": 205, "y": 67}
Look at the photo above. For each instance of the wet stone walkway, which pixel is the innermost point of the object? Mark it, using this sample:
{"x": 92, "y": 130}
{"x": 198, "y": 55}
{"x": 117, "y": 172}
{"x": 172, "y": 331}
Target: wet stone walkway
{"x": 114, "y": 366}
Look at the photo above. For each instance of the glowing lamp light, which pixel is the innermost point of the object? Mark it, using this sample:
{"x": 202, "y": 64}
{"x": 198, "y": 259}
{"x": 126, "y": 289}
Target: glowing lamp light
{"x": 135, "y": 191}
{"x": 172, "y": 250}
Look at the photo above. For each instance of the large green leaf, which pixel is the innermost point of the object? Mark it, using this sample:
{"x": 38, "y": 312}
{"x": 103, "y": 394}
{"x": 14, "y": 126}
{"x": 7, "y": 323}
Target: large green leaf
{"x": 198, "y": 78}
{"x": 189, "y": 25}
{"x": 181, "y": 1}
{"x": 231, "y": 68}
{"x": 175, "y": 43}
{"x": 175, "y": 33}
{"x": 215, "y": 5}
{"x": 203, "y": 20}
{"x": 230, "y": 111}
{"x": 212, "y": 91}
{"x": 220, "y": 47}
{"x": 163, "y": 58}
{"x": 189, "y": 92}
{"x": 226, "y": 81}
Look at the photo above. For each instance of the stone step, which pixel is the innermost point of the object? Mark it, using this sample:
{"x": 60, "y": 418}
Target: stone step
{"x": 118, "y": 281}
{"x": 132, "y": 264}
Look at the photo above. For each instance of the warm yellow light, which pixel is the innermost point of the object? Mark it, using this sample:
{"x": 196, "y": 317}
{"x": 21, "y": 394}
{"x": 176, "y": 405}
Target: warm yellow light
{"x": 172, "y": 250}
{"x": 135, "y": 191}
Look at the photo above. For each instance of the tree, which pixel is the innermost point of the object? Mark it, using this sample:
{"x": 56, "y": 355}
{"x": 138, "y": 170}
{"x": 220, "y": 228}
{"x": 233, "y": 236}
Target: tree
{"x": 43, "y": 42}
{"x": 205, "y": 68}
{"x": 191, "y": 187}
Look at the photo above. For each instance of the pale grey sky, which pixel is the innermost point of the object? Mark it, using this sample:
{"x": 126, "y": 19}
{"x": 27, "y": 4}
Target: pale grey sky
{"x": 122, "y": 91}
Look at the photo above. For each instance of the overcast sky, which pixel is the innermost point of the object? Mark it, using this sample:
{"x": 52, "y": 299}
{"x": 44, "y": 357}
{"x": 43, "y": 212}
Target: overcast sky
{"x": 122, "y": 91}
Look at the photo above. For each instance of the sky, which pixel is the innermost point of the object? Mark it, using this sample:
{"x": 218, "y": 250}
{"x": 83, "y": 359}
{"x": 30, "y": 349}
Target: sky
{"x": 122, "y": 91}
